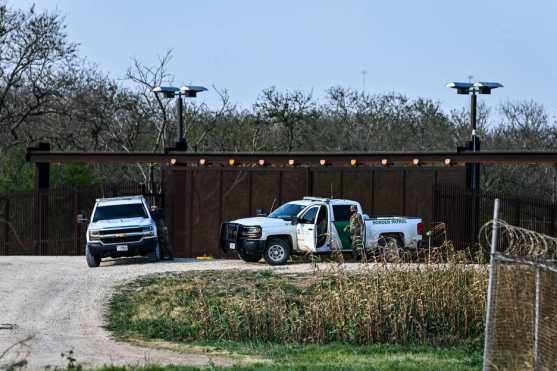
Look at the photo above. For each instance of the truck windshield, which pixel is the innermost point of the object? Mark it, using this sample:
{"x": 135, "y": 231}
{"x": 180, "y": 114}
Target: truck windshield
{"x": 286, "y": 211}
{"x": 119, "y": 212}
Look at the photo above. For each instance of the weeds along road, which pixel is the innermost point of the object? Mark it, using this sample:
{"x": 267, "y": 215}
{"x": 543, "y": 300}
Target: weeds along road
{"x": 58, "y": 303}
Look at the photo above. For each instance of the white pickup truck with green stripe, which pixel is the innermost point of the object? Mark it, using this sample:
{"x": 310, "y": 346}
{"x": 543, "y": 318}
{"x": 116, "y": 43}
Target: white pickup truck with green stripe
{"x": 313, "y": 225}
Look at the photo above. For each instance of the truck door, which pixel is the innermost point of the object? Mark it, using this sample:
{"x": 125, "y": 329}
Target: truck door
{"x": 306, "y": 230}
{"x": 342, "y": 219}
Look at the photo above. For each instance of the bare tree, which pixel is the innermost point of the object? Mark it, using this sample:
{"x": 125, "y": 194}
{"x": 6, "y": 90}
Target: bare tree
{"x": 34, "y": 52}
{"x": 288, "y": 109}
{"x": 154, "y": 110}
{"x": 146, "y": 79}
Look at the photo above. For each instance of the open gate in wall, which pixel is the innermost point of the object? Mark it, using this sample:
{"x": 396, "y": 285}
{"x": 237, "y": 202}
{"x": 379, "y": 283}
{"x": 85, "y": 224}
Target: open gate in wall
{"x": 45, "y": 223}
{"x": 199, "y": 199}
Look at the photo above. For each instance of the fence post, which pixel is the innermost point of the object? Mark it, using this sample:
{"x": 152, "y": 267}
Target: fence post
{"x": 476, "y": 210}
{"x": 7, "y": 226}
{"x": 491, "y": 289}
{"x": 537, "y": 320}
{"x": 552, "y": 209}
{"x": 75, "y": 223}
{"x": 517, "y": 211}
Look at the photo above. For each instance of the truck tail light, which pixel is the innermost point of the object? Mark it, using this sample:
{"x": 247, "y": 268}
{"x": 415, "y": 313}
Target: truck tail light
{"x": 420, "y": 228}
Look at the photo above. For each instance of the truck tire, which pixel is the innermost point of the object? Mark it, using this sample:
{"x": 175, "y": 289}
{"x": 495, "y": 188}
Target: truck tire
{"x": 92, "y": 260}
{"x": 156, "y": 254}
{"x": 249, "y": 258}
{"x": 391, "y": 247}
{"x": 394, "y": 239}
{"x": 277, "y": 251}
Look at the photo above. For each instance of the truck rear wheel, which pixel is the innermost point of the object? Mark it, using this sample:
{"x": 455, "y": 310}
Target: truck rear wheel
{"x": 249, "y": 258}
{"x": 156, "y": 254}
{"x": 391, "y": 246}
{"x": 92, "y": 260}
{"x": 277, "y": 251}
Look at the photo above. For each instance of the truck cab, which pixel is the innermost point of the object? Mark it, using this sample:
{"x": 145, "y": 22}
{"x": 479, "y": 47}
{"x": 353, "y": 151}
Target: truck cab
{"x": 320, "y": 227}
{"x": 118, "y": 227}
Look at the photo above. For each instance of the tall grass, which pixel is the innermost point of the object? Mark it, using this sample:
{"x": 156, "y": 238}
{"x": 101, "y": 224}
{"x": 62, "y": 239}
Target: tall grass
{"x": 405, "y": 304}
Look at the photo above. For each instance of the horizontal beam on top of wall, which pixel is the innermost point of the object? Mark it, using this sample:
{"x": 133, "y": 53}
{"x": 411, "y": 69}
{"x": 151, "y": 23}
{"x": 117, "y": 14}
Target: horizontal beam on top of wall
{"x": 296, "y": 158}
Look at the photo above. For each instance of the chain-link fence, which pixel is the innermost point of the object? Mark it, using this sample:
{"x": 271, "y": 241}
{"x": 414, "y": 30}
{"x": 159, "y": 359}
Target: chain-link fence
{"x": 521, "y": 319}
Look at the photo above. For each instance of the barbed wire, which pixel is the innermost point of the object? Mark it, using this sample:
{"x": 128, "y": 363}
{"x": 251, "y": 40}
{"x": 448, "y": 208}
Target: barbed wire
{"x": 518, "y": 242}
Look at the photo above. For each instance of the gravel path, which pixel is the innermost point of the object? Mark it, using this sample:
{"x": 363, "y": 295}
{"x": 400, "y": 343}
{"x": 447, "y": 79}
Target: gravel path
{"x": 58, "y": 303}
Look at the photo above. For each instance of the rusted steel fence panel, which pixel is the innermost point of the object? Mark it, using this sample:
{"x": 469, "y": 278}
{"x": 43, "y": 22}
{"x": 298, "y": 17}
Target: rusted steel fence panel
{"x": 357, "y": 184}
{"x": 295, "y": 184}
{"x": 205, "y": 211}
{"x": 326, "y": 182}
{"x": 465, "y": 212}
{"x": 418, "y": 193}
{"x": 265, "y": 189}
{"x": 388, "y": 189}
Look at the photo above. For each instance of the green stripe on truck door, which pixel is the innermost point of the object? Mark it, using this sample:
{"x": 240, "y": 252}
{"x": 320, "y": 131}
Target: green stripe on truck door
{"x": 344, "y": 236}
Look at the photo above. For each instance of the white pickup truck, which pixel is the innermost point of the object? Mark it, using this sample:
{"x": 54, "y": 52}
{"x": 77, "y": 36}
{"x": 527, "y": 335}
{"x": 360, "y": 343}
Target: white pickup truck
{"x": 312, "y": 225}
{"x": 120, "y": 226}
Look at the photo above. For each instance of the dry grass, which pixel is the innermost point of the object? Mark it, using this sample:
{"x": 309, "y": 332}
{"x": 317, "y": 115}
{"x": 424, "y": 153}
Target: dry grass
{"x": 418, "y": 304}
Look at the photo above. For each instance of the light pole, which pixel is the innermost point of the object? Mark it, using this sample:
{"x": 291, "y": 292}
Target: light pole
{"x": 473, "y": 89}
{"x": 188, "y": 91}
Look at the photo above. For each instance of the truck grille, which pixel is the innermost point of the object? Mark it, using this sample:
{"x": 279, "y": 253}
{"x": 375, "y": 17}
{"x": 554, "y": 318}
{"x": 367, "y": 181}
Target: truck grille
{"x": 121, "y": 230}
{"x": 230, "y": 231}
{"x": 123, "y": 239}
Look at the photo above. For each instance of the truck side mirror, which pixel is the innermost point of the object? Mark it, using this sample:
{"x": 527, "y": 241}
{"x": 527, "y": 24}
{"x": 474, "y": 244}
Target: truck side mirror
{"x": 80, "y": 219}
{"x": 156, "y": 212}
{"x": 295, "y": 220}
{"x": 260, "y": 212}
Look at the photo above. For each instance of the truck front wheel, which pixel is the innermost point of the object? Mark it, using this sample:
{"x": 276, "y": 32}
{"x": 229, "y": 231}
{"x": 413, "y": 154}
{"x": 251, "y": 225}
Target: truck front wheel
{"x": 277, "y": 252}
{"x": 92, "y": 260}
{"x": 249, "y": 258}
{"x": 155, "y": 255}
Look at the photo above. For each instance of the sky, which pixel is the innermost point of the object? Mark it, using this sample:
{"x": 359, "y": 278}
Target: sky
{"x": 409, "y": 47}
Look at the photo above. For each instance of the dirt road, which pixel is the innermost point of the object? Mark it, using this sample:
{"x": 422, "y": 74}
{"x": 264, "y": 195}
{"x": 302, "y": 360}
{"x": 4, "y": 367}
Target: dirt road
{"x": 57, "y": 303}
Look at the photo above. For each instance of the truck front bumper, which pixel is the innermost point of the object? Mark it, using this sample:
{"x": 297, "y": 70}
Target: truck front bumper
{"x": 143, "y": 247}
{"x": 249, "y": 247}
{"x": 252, "y": 247}
{"x": 230, "y": 240}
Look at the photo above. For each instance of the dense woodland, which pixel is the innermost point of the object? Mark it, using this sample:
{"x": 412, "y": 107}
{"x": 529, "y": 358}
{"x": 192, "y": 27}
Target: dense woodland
{"x": 49, "y": 93}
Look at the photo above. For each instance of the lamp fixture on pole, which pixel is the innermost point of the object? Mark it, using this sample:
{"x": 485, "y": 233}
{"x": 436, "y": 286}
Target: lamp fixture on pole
{"x": 473, "y": 89}
{"x": 189, "y": 91}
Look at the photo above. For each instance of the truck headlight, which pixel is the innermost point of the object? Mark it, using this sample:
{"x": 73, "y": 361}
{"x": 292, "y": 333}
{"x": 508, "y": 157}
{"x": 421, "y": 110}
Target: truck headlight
{"x": 148, "y": 231}
{"x": 94, "y": 236}
{"x": 253, "y": 231}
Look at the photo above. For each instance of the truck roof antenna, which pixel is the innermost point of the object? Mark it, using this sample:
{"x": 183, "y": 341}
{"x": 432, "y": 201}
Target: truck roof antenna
{"x": 332, "y": 190}
{"x": 272, "y": 205}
